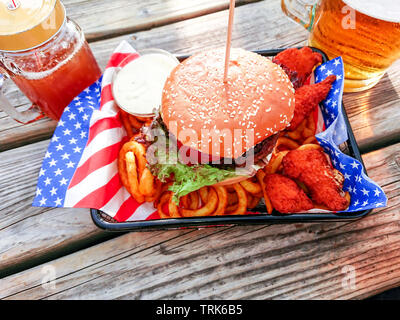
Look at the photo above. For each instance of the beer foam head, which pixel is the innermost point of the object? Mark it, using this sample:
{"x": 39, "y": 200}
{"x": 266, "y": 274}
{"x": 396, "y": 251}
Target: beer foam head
{"x": 388, "y": 10}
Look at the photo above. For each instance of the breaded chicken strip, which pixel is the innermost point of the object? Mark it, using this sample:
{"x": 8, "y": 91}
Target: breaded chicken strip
{"x": 307, "y": 98}
{"x": 285, "y": 195}
{"x": 313, "y": 169}
{"x": 298, "y": 64}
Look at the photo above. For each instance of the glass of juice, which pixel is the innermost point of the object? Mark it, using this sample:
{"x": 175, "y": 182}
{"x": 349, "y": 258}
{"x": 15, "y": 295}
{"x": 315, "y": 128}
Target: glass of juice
{"x": 50, "y": 73}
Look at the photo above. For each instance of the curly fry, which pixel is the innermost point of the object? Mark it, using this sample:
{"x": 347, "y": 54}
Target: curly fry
{"x": 184, "y": 201}
{"x": 156, "y": 194}
{"x": 298, "y": 133}
{"x": 311, "y": 140}
{"x": 134, "y": 174}
{"x": 193, "y": 200}
{"x": 146, "y": 183}
{"x": 144, "y": 119}
{"x": 241, "y": 207}
{"x": 190, "y": 200}
{"x": 222, "y": 200}
{"x": 309, "y": 130}
{"x": 286, "y": 142}
{"x": 208, "y": 207}
{"x": 135, "y": 122}
{"x": 165, "y": 198}
{"x": 126, "y": 123}
{"x": 275, "y": 162}
{"x": 253, "y": 201}
{"x": 132, "y": 177}
{"x": 232, "y": 197}
{"x": 163, "y": 190}
{"x": 251, "y": 187}
{"x": 310, "y": 146}
{"x": 204, "y": 194}
{"x": 173, "y": 209}
{"x": 260, "y": 176}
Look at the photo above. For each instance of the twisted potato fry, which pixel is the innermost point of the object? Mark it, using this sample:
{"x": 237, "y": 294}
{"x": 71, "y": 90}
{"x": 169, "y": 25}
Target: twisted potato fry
{"x": 222, "y": 200}
{"x": 134, "y": 174}
{"x": 126, "y": 123}
{"x": 275, "y": 162}
{"x": 241, "y": 206}
{"x": 260, "y": 176}
{"x": 287, "y": 143}
{"x": 135, "y": 122}
{"x": 164, "y": 199}
{"x": 207, "y": 209}
{"x": 250, "y": 186}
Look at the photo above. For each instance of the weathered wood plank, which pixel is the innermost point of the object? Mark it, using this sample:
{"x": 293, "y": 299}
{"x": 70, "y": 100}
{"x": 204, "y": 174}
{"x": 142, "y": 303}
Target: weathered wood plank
{"x": 374, "y": 114}
{"x": 281, "y": 261}
{"x": 28, "y": 233}
{"x": 105, "y": 19}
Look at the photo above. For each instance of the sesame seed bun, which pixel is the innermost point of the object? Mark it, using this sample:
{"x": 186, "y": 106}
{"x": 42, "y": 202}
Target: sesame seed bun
{"x": 257, "y": 100}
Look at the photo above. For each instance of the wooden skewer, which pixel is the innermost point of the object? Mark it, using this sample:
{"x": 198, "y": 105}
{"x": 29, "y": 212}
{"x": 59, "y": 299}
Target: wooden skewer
{"x": 229, "y": 39}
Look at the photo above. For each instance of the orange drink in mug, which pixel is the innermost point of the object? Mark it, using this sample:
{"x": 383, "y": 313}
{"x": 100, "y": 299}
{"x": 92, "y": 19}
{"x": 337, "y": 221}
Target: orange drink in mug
{"x": 45, "y": 54}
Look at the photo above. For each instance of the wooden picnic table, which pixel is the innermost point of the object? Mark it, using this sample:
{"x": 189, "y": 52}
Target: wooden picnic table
{"x": 307, "y": 261}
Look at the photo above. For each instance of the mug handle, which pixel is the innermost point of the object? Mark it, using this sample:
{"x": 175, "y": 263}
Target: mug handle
{"x": 27, "y": 116}
{"x": 300, "y": 11}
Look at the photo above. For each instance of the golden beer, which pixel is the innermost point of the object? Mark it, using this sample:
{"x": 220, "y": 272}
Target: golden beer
{"x": 365, "y": 33}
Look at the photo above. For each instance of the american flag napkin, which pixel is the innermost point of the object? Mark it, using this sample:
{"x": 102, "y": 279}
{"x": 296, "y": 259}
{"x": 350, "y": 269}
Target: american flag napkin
{"x": 80, "y": 170}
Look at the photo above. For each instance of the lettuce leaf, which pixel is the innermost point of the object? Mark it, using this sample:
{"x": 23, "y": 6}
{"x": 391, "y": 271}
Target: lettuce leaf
{"x": 189, "y": 178}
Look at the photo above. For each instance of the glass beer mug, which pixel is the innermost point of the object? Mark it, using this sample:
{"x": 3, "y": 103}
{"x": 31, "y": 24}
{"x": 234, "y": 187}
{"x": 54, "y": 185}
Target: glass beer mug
{"x": 45, "y": 54}
{"x": 365, "y": 33}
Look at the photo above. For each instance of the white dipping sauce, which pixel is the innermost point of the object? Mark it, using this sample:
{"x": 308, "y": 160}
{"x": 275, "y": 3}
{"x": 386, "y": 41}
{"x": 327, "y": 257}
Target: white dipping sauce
{"x": 138, "y": 86}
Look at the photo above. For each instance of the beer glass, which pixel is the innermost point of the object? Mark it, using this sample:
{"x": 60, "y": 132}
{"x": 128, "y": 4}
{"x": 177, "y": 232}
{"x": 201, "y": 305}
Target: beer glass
{"x": 365, "y": 33}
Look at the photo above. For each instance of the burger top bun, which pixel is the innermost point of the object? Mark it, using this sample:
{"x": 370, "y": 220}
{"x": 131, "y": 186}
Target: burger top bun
{"x": 226, "y": 119}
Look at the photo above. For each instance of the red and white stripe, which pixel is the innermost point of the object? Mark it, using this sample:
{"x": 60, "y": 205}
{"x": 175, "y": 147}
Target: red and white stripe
{"x": 96, "y": 182}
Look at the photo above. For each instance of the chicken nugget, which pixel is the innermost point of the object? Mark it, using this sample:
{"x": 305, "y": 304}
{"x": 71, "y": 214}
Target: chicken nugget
{"x": 285, "y": 195}
{"x": 313, "y": 169}
{"x": 298, "y": 64}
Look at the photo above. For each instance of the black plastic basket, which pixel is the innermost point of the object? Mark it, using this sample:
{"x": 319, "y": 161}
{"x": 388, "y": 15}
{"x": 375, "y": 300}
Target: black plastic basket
{"x": 260, "y": 217}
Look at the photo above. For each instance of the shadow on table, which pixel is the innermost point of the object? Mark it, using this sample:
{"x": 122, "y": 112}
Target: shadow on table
{"x": 393, "y": 294}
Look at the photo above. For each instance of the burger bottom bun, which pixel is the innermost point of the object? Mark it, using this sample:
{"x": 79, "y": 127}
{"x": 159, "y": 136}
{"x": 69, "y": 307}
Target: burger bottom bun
{"x": 240, "y": 178}
{"x": 232, "y": 180}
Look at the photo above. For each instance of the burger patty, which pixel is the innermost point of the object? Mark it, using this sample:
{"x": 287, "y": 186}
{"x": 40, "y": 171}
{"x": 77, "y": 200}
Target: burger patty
{"x": 260, "y": 151}
{"x": 265, "y": 147}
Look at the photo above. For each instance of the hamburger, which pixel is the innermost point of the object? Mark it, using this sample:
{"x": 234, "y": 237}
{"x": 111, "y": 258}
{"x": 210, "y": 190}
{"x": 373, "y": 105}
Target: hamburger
{"x": 219, "y": 132}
